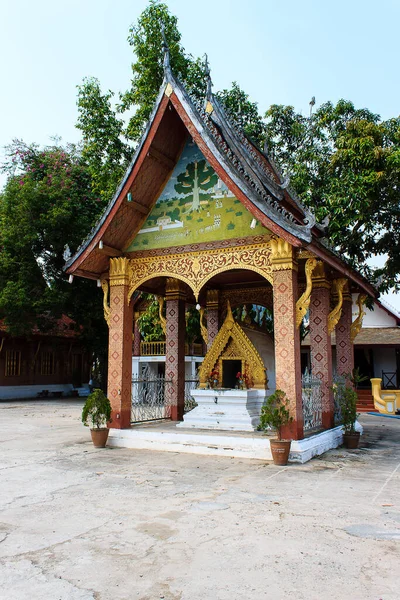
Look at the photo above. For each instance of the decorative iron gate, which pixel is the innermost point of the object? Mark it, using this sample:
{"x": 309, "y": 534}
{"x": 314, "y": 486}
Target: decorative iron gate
{"x": 312, "y": 402}
{"x": 148, "y": 399}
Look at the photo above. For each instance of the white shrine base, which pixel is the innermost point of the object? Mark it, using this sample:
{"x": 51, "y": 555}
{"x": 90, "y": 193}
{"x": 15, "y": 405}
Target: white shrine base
{"x": 225, "y": 409}
{"x": 166, "y": 437}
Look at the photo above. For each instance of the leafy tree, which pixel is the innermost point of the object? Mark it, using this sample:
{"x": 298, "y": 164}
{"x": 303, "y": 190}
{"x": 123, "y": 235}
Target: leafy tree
{"x": 344, "y": 163}
{"x": 149, "y": 321}
{"x": 245, "y": 112}
{"x": 104, "y": 149}
{"x": 146, "y": 40}
{"x": 47, "y": 204}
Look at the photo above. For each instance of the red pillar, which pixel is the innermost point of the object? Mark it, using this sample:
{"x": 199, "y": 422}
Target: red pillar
{"x": 212, "y": 316}
{"x": 286, "y": 334}
{"x": 320, "y": 342}
{"x": 175, "y": 297}
{"x": 344, "y": 345}
{"x": 120, "y": 345}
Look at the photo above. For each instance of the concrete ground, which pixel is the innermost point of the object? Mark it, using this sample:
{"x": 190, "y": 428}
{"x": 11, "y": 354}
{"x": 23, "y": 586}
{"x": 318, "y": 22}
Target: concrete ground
{"x": 78, "y": 523}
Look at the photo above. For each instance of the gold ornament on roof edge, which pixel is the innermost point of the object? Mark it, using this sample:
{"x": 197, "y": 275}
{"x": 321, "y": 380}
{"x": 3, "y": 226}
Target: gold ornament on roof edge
{"x": 335, "y": 314}
{"x": 303, "y": 302}
{"x": 106, "y": 307}
{"x": 357, "y": 323}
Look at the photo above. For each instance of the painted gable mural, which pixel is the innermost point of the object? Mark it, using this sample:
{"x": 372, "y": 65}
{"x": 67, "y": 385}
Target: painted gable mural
{"x": 195, "y": 206}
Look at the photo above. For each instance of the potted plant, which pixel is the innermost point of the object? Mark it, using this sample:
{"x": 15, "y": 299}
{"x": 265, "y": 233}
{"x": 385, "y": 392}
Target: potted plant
{"x": 275, "y": 414}
{"x": 96, "y": 413}
{"x": 348, "y": 407}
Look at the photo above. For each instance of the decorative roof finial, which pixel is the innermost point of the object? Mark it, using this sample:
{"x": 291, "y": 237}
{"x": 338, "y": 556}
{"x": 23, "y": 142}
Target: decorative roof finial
{"x": 167, "y": 62}
{"x": 208, "y": 77}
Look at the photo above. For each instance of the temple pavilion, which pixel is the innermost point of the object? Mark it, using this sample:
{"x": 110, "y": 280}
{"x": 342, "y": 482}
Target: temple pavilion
{"x": 204, "y": 217}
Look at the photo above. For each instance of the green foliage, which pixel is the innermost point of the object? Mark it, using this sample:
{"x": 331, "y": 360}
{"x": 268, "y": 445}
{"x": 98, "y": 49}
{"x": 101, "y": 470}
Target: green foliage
{"x": 147, "y": 71}
{"x": 104, "y": 150}
{"x": 345, "y": 163}
{"x": 275, "y": 413}
{"x": 193, "y": 333}
{"x": 47, "y": 204}
{"x": 346, "y": 396}
{"x": 149, "y": 321}
{"x": 96, "y": 410}
{"x": 245, "y": 112}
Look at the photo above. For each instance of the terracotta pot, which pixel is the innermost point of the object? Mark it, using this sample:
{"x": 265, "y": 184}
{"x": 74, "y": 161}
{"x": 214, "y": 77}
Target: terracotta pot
{"x": 280, "y": 451}
{"x": 351, "y": 440}
{"x": 99, "y": 437}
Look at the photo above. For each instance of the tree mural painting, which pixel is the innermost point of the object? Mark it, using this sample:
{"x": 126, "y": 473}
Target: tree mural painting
{"x": 197, "y": 179}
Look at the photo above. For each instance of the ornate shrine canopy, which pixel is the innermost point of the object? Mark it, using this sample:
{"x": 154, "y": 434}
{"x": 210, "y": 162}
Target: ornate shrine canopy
{"x": 197, "y": 183}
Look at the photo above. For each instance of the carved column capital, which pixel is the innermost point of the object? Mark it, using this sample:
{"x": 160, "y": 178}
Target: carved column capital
{"x": 119, "y": 271}
{"x": 319, "y": 278}
{"x": 282, "y": 255}
{"x": 212, "y": 299}
{"x": 175, "y": 289}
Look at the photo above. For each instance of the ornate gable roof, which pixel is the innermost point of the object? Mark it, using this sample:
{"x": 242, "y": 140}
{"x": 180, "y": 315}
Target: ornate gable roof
{"x": 247, "y": 171}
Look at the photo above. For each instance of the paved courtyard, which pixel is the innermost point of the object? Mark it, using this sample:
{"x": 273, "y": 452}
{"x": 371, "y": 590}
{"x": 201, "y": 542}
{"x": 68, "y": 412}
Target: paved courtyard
{"x": 78, "y": 523}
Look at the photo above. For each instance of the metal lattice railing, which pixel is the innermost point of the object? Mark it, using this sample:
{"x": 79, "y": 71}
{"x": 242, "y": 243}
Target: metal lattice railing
{"x": 190, "y": 403}
{"x": 148, "y": 399}
{"x": 312, "y": 402}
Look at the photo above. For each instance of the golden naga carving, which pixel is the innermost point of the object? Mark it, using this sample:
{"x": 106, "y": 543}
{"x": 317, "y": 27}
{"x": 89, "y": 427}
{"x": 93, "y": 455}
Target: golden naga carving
{"x": 232, "y": 340}
{"x": 357, "y": 323}
{"x": 163, "y": 320}
{"x": 303, "y": 302}
{"x": 106, "y": 307}
{"x": 335, "y": 314}
{"x": 203, "y": 328}
{"x": 119, "y": 271}
{"x": 282, "y": 255}
{"x": 196, "y": 268}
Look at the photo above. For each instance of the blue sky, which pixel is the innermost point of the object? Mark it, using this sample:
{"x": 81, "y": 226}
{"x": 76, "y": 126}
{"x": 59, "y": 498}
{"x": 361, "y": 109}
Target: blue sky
{"x": 279, "y": 52}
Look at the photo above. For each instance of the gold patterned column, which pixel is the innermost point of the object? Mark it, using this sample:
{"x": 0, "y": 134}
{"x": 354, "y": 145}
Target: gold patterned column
{"x": 120, "y": 345}
{"x": 212, "y": 317}
{"x": 344, "y": 344}
{"x": 175, "y": 296}
{"x": 286, "y": 334}
{"x": 320, "y": 341}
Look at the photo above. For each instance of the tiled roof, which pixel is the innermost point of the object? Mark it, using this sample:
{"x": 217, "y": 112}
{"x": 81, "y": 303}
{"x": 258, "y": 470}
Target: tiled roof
{"x": 370, "y": 336}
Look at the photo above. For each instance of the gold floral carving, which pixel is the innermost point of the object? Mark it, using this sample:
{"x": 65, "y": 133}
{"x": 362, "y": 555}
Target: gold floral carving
{"x": 163, "y": 320}
{"x": 119, "y": 271}
{"x": 196, "y": 268}
{"x": 303, "y": 302}
{"x": 232, "y": 339}
{"x": 335, "y": 314}
{"x": 106, "y": 307}
{"x": 203, "y": 328}
{"x": 357, "y": 323}
{"x": 282, "y": 255}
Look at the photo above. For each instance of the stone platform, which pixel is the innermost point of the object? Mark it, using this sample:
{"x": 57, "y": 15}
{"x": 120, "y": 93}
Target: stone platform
{"x": 225, "y": 409}
{"x": 167, "y": 437}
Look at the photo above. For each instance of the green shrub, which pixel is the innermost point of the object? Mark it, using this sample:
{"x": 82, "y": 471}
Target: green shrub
{"x": 96, "y": 410}
{"x": 275, "y": 413}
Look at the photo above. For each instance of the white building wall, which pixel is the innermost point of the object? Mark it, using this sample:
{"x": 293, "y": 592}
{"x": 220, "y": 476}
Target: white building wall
{"x": 373, "y": 318}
